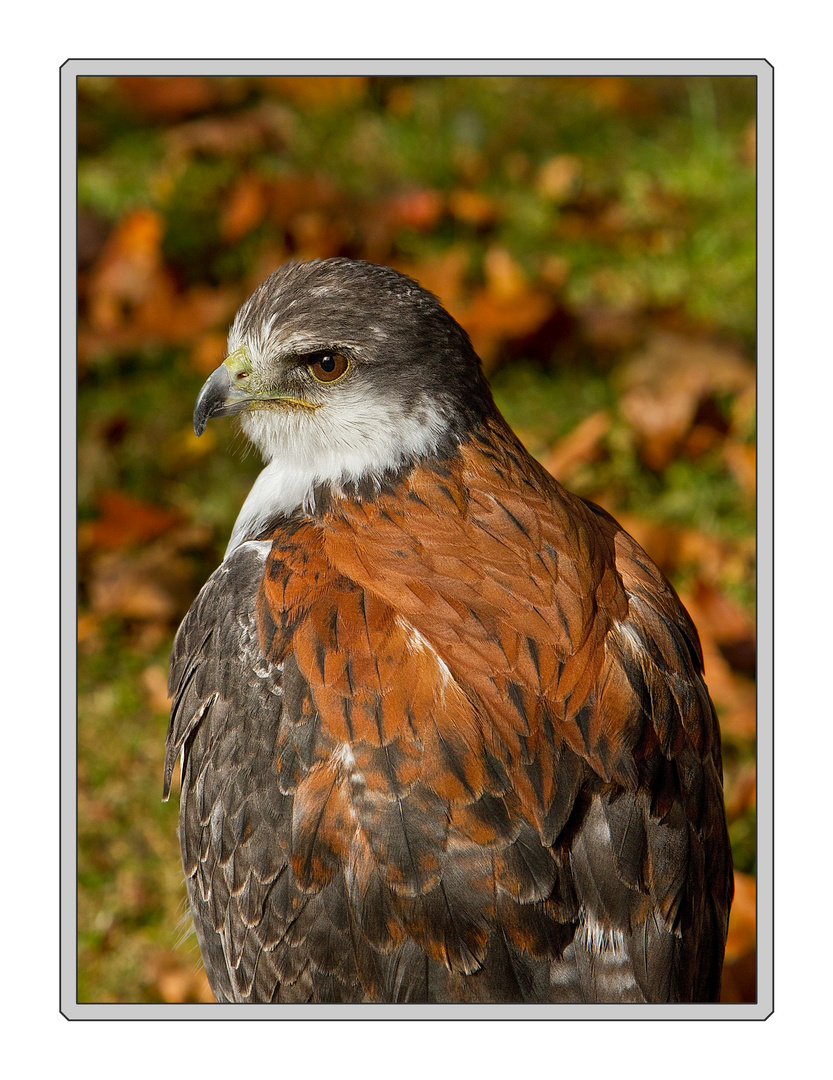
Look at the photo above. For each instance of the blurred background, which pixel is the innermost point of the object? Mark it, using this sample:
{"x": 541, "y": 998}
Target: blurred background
{"x": 595, "y": 236}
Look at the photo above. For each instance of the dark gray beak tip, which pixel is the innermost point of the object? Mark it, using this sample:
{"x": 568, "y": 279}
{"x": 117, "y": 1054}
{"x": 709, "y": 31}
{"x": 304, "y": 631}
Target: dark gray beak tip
{"x": 214, "y": 399}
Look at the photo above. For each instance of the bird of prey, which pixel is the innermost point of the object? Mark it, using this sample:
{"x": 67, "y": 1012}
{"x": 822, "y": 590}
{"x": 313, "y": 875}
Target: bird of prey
{"x": 443, "y": 728}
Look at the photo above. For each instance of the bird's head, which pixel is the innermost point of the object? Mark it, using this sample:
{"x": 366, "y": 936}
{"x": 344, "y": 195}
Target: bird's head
{"x": 345, "y": 370}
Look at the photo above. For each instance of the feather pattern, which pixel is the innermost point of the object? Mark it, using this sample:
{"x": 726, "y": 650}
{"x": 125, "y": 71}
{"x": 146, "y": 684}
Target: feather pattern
{"x": 449, "y": 742}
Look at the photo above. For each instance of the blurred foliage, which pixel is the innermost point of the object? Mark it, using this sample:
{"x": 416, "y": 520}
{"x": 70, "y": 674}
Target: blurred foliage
{"x": 595, "y": 236}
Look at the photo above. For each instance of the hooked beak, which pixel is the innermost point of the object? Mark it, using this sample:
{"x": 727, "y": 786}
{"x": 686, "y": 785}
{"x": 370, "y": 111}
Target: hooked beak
{"x": 219, "y": 397}
{"x": 230, "y": 390}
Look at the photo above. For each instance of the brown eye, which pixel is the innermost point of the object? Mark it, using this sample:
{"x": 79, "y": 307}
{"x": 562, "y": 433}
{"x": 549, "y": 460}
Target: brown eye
{"x": 330, "y": 367}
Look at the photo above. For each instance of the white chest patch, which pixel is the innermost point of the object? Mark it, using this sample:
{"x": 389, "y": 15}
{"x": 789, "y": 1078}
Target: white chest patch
{"x": 280, "y": 488}
{"x": 354, "y": 436}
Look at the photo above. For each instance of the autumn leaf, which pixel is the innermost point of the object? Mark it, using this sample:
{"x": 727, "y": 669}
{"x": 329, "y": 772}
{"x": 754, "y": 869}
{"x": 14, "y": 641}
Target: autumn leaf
{"x": 472, "y": 207}
{"x": 317, "y": 91}
{"x": 244, "y": 208}
{"x": 663, "y": 388}
{"x": 125, "y": 521}
{"x": 558, "y": 177}
{"x": 583, "y": 444}
{"x": 171, "y": 97}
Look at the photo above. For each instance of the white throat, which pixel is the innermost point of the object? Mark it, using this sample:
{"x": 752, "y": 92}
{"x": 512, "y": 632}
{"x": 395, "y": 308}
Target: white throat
{"x": 351, "y": 438}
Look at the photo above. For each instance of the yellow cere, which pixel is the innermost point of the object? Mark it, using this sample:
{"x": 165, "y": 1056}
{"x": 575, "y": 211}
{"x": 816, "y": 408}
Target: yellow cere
{"x": 239, "y": 362}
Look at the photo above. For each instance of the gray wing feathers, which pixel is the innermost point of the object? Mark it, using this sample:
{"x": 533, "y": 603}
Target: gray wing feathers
{"x": 224, "y": 721}
{"x": 629, "y": 916}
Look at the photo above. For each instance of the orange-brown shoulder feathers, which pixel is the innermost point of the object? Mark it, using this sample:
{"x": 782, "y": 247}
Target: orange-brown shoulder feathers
{"x": 494, "y": 752}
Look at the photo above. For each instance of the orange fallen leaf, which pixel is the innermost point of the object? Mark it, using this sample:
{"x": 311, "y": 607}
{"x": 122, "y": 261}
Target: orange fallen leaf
{"x": 443, "y": 275}
{"x": 672, "y": 546}
{"x": 169, "y": 97}
{"x": 178, "y": 978}
{"x": 506, "y": 309}
{"x": 161, "y": 316}
{"x": 88, "y": 626}
{"x": 417, "y": 208}
{"x": 125, "y": 521}
{"x": 555, "y": 271}
{"x": 319, "y": 234}
{"x": 244, "y": 209}
{"x": 317, "y": 91}
{"x": 664, "y": 387}
{"x": 505, "y": 279}
{"x": 300, "y": 193}
{"x": 732, "y": 628}
{"x": 610, "y": 91}
{"x": 128, "y": 271}
{"x": 240, "y": 133}
{"x": 583, "y": 444}
{"x": 152, "y": 585}
{"x": 558, "y": 177}
{"x": 739, "y": 968}
{"x": 743, "y": 794}
{"x": 742, "y": 460}
{"x": 734, "y": 695}
{"x": 401, "y": 99}
{"x": 611, "y": 329}
{"x": 184, "y": 986}
{"x": 472, "y": 207}
{"x": 155, "y": 682}
{"x": 208, "y": 352}
{"x": 742, "y": 936}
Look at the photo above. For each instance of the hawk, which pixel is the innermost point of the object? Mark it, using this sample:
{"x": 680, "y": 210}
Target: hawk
{"x": 443, "y": 728}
